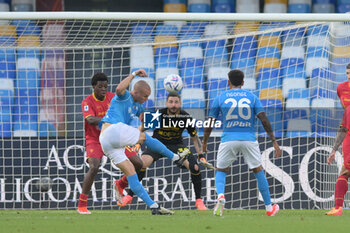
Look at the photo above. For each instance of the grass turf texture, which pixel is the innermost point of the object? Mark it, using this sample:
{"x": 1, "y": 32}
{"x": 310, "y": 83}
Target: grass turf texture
{"x": 192, "y": 221}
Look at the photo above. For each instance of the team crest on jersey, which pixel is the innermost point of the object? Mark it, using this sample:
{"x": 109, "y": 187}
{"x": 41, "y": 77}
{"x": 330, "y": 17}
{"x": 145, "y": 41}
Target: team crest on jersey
{"x": 86, "y": 108}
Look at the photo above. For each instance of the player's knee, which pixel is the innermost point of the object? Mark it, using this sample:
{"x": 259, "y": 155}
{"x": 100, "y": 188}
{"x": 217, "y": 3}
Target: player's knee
{"x": 142, "y": 138}
{"x": 94, "y": 165}
{"x": 138, "y": 164}
{"x": 193, "y": 166}
{"x": 257, "y": 169}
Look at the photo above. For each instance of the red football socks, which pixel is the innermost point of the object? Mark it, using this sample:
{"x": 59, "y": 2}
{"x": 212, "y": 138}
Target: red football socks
{"x": 83, "y": 200}
{"x": 341, "y": 188}
{"x": 123, "y": 182}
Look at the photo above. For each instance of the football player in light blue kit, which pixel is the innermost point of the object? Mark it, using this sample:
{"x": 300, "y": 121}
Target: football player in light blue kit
{"x": 239, "y": 108}
{"x": 121, "y": 127}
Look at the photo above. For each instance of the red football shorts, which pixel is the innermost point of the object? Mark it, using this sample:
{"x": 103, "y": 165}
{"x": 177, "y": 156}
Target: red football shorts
{"x": 94, "y": 150}
{"x": 346, "y": 154}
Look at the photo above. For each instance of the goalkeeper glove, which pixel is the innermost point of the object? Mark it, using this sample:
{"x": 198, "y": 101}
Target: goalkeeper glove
{"x": 202, "y": 160}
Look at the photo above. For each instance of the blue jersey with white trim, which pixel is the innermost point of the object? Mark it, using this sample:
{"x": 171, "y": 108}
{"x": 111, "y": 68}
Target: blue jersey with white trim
{"x": 123, "y": 109}
{"x": 238, "y": 108}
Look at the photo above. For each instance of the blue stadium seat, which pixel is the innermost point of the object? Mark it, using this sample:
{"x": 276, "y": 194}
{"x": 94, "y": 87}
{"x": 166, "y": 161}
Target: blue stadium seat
{"x": 223, "y": 6}
{"x": 245, "y": 47}
{"x": 238, "y": 63}
{"x": 47, "y": 129}
{"x": 198, "y": 8}
{"x": 25, "y": 129}
{"x": 273, "y": 109}
{"x": 319, "y": 29}
{"x": 174, "y": 1}
{"x": 273, "y": 25}
{"x": 343, "y": 8}
{"x": 296, "y": 108}
{"x": 298, "y": 93}
{"x": 166, "y": 57}
{"x": 28, "y": 30}
{"x": 269, "y": 78}
{"x": 7, "y": 58}
{"x": 190, "y": 43}
{"x": 193, "y": 98}
{"x": 191, "y": 67}
{"x": 299, "y": 8}
{"x": 166, "y": 30}
{"x": 26, "y": 53}
{"x": 292, "y": 83}
{"x": 317, "y": 52}
{"x": 268, "y": 52}
{"x": 193, "y": 28}
{"x": 321, "y": 78}
{"x": 323, "y": 8}
{"x": 293, "y": 37}
{"x": 323, "y": 1}
{"x": 217, "y": 82}
{"x": 342, "y": 41}
{"x": 215, "y": 57}
{"x": 323, "y": 93}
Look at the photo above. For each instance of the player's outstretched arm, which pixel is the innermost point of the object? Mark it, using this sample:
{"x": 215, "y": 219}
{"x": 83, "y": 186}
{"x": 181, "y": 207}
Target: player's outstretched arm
{"x": 341, "y": 134}
{"x": 124, "y": 84}
{"x": 93, "y": 120}
{"x": 267, "y": 126}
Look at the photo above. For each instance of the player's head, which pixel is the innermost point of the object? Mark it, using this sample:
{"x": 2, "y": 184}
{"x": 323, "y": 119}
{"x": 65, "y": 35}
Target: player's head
{"x": 348, "y": 71}
{"x": 141, "y": 91}
{"x": 235, "y": 78}
{"x": 99, "y": 83}
{"x": 173, "y": 102}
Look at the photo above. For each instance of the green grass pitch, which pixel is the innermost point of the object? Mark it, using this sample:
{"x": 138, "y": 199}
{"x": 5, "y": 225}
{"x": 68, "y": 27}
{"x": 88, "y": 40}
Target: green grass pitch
{"x": 192, "y": 221}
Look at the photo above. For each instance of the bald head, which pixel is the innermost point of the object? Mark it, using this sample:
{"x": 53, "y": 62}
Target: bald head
{"x": 141, "y": 91}
{"x": 142, "y": 86}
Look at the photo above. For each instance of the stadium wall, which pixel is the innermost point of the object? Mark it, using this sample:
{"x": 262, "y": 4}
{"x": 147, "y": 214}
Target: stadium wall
{"x": 25, "y": 161}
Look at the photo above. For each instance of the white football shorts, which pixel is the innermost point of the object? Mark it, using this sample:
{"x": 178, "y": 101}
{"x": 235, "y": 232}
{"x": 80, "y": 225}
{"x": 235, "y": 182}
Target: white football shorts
{"x": 229, "y": 151}
{"x": 114, "y": 139}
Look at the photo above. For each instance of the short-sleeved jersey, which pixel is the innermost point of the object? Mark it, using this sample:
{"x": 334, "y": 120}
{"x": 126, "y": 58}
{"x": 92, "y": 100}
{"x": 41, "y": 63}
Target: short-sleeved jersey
{"x": 346, "y": 123}
{"x": 123, "y": 109}
{"x": 91, "y": 106}
{"x": 238, "y": 108}
{"x": 173, "y": 135}
{"x": 343, "y": 92}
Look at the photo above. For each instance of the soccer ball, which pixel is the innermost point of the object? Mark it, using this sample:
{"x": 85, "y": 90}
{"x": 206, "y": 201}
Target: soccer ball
{"x": 173, "y": 83}
{"x": 44, "y": 184}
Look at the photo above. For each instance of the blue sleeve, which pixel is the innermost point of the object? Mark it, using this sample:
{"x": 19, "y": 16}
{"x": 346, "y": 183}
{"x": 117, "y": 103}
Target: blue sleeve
{"x": 215, "y": 108}
{"x": 258, "y": 108}
{"x": 125, "y": 96}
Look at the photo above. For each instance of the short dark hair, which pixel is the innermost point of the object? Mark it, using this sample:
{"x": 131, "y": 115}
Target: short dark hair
{"x": 348, "y": 66}
{"x": 98, "y": 77}
{"x": 173, "y": 94}
{"x": 236, "y": 77}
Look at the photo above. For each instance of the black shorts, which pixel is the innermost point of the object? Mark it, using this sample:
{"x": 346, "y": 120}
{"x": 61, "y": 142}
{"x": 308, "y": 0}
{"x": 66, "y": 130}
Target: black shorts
{"x": 174, "y": 148}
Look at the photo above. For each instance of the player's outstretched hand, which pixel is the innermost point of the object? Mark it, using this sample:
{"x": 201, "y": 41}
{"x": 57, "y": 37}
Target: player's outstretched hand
{"x": 331, "y": 157}
{"x": 278, "y": 151}
{"x": 141, "y": 73}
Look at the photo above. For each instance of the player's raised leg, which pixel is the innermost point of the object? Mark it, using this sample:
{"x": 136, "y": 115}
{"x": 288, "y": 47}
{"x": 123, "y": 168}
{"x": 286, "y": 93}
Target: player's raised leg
{"x": 111, "y": 140}
{"x": 156, "y": 146}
